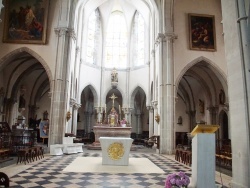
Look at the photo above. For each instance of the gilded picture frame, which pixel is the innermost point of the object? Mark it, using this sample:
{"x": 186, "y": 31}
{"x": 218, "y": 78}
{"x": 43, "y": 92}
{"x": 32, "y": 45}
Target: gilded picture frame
{"x": 202, "y": 32}
{"x": 25, "y": 21}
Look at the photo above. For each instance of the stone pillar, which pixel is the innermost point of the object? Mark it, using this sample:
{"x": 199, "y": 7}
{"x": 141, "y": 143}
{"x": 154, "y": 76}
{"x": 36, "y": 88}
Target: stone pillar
{"x": 156, "y": 125}
{"x": 86, "y": 114}
{"x": 213, "y": 111}
{"x": 192, "y": 120}
{"x": 138, "y": 123}
{"x": 151, "y": 120}
{"x": 74, "y": 118}
{"x": 59, "y": 99}
{"x": 166, "y": 92}
{"x": 236, "y": 44}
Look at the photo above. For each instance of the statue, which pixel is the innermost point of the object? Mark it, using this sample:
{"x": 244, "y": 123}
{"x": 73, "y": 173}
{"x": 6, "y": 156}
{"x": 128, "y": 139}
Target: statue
{"x": 201, "y": 106}
{"x": 114, "y": 76}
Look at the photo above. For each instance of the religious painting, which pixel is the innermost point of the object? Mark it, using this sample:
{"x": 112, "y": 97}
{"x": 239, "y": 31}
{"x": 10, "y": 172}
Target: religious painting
{"x": 25, "y": 21}
{"x": 202, "y": 32}
{"x": 44, "y": 129}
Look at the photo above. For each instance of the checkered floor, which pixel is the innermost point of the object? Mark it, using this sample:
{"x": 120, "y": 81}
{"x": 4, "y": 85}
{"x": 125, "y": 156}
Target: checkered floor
{"x": 49, "y": 173}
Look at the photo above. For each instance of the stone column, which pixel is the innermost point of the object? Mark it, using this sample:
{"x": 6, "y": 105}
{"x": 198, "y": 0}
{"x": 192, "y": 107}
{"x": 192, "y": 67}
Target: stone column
{"x": 59, "y": 99}
{"x": 213, "y": 111}
{"x": 74, "y": 116}
{"x": 86, "y": 114}
{"x": 151, "y": 120}
{"x": 166, "y": 92}
{"x": 192, "y": 120}
{"x": 138, "y": 123}
{"x": 156, "y": 125}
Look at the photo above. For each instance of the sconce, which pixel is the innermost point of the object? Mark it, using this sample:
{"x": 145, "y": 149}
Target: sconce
{"x": 68, "y": 115}
{"x": 157, "y": 118}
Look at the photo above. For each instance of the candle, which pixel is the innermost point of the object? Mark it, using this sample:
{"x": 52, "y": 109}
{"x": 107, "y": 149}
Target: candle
{"x": 119, "y": 109}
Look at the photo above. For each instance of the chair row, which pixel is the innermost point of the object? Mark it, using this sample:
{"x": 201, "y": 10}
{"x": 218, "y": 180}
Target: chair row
{"x": 30, "y": 154}
{"x": 184, "y": 156}
{"x": 4, "y": 153}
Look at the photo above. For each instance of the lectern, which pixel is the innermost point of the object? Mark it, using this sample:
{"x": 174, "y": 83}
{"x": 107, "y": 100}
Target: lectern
{"x": 203, "y": 156}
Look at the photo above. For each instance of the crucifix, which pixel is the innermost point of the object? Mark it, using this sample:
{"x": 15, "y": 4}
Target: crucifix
{"x": 113, "y": 97}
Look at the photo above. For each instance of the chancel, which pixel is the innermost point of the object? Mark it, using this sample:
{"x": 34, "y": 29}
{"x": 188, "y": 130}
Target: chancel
{"x": 111, "y": 126}
{"x": 163, "y": 65}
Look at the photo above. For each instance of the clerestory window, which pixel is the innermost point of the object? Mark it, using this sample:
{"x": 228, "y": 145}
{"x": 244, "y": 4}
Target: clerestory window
{"x": 116, "y": 41}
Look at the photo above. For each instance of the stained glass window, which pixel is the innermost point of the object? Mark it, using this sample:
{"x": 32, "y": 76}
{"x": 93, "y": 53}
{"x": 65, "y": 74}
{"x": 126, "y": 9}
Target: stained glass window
{"x": 93, "y": 26}
{"x": 139, "y": 40}
{"x": 116, "y": 41}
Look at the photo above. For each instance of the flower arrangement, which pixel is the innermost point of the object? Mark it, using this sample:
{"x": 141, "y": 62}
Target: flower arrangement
{"x": 180, "y": 180}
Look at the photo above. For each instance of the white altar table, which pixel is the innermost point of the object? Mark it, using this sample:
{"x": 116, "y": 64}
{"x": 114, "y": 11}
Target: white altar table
{"x": 115, "y": 150}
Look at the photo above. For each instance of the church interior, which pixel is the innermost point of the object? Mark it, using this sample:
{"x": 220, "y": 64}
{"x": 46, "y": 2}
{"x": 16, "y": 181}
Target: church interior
{"x": 150, "y": 70}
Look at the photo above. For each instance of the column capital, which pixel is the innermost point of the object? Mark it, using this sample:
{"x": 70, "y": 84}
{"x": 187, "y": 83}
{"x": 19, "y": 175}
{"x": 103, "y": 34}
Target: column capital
{"x": 150, "y": 108}
{"x": 163, "y": 37}
{"x": 60, "y": 31}
{"x": 49, "y": 94}
{"x": 74, "y": 104}
{"x": 155, "y": 104}
{"x": 213, "y": 109}
{"x": 65, "y": 31}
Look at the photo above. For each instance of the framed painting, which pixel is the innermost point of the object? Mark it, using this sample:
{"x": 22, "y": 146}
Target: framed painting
{"x": 202, "y": 32}
{"x": 25, "y": 21}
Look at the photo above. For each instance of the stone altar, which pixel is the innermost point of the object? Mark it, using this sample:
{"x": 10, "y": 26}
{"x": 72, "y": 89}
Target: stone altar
{"x": 103, "y": 130}
{"x": 110, "y": 126}
{"x": 115, "y": 150}
{"x": 107, "y": 131}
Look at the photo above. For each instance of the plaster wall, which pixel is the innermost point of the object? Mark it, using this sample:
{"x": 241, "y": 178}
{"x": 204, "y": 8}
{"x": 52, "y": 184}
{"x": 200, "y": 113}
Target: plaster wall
{"x": 46, "y": 51}
{"x": 140, "y": 78}
{"x": 183, "y": 55}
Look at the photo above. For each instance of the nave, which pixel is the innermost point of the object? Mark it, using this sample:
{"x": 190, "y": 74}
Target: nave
{"x": 50, "y": 172}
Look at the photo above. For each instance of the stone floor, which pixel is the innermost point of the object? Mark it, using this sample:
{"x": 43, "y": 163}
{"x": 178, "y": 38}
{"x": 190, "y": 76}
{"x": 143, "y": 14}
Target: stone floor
{"x": 48, "y": 172}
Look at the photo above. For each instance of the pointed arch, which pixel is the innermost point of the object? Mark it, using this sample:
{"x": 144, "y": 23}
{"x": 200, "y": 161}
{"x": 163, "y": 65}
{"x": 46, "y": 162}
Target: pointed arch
{"x": 93, "y": 90}
{"x": 15, "y": 53}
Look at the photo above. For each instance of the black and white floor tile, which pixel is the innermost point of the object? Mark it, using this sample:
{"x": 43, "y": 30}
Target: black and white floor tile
{"x": 49, "y": 173}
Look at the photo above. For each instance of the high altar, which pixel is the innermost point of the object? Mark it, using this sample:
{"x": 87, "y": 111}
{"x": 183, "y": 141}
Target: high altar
{"x": 110, "y": 127}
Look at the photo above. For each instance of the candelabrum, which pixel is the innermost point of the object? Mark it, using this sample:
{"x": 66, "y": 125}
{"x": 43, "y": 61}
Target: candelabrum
{"x": 101, "y": 114}
{"x": 126, "y": 111}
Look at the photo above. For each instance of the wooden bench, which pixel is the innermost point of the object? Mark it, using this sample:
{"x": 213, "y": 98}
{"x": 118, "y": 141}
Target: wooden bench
{"x": 4, "y": 153}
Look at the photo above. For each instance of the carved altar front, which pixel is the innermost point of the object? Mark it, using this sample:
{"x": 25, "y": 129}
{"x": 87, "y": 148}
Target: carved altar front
{"x": 101, "y": 130}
